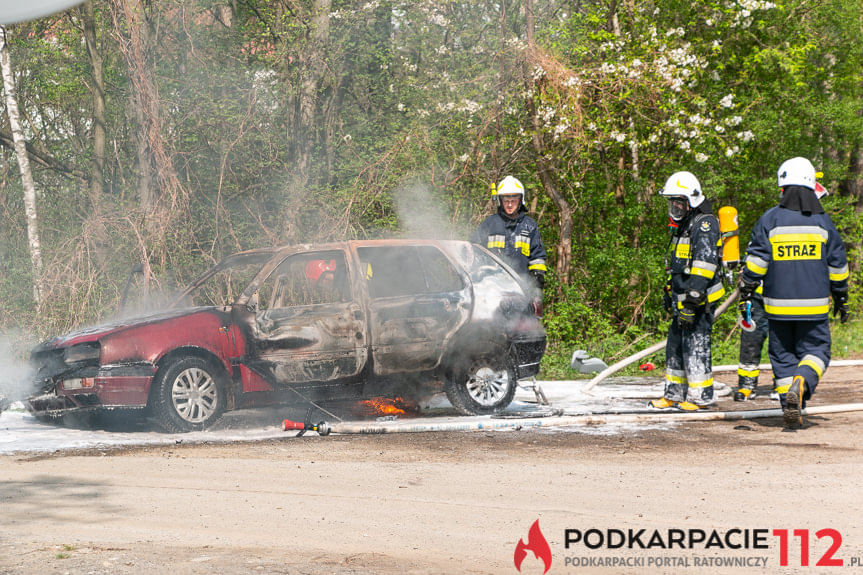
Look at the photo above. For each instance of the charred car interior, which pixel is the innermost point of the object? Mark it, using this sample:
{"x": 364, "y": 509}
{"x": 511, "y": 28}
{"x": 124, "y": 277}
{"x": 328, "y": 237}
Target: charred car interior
{"x": 338, "y": 321}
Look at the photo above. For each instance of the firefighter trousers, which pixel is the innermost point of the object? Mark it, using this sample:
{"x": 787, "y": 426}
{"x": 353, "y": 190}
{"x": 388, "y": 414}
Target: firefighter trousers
{"x": 798, "y": 347}
{"x": 751, "y": 344}
{"x": 688, "y": 365}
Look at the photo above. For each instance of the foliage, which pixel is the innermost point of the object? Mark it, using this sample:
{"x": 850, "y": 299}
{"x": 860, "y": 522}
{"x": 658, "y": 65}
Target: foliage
{"x": 326, "y": 119}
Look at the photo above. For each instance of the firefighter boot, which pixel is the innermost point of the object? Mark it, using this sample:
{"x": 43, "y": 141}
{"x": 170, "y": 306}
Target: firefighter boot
{"x": 792, "y": 413}
{"x": 661, "y": 403}
{"x": 744, "y": 394}
{"x": 688, "y": 406}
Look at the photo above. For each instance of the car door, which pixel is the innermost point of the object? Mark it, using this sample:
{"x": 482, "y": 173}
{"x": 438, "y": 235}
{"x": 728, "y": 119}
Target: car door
{"x": 417, "y": 300}
{"x": 308, "y": 325}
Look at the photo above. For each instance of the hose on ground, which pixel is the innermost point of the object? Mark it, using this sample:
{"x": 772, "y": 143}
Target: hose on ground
{"x": 578, "y": 420}
{"x": 650, "y": 350}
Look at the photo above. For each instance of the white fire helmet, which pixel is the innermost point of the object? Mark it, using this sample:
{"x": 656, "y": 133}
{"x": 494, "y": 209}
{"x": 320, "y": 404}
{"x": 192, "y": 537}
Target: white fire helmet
{"x": 682, "y": 185}
{"x": 507, "y": 187}
{"x": 796, "y": 172}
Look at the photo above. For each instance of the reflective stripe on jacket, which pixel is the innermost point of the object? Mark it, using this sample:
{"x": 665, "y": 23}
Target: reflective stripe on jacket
{"x": 517, "y": 241}
{"x": 694, "y": 259}
{"x": 800, "y": 259}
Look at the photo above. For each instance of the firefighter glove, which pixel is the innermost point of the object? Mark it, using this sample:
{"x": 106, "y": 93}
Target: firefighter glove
{"x": 746, "y": 288}
{"x": 840, "y": 305}
{"x": 539, "y": 276}
{"x": 667, "y": 302}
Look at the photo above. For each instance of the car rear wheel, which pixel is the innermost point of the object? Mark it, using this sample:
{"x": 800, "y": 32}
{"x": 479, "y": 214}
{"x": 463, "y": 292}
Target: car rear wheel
{"x": 189, "y": 395}
{"x": 487, "y": 386}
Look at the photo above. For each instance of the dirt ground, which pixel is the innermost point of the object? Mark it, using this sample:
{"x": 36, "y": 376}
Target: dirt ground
{"x": 438, "y": 502}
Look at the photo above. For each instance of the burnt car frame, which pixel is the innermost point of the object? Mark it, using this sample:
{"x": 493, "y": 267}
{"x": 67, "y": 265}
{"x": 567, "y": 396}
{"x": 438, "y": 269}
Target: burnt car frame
{"x": 346, "y": 320}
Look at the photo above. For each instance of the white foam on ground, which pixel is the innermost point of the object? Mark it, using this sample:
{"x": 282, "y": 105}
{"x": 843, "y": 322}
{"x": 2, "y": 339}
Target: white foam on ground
{"x": 20, "y": 432}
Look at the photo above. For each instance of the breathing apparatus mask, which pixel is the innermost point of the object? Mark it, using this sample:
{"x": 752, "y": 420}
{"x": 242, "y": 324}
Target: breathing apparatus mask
{"x": 678, "y": 208}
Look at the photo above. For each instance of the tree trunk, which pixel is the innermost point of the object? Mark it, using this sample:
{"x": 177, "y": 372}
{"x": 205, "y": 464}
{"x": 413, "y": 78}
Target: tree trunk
{"x": 24, "y": 167}
{"x": 163, "y": 209}
{"x": 97, "y": 90}
{"x": 312, "y": 69}
{"x": 545, "y": 167}
{"x": 97, "y": 163}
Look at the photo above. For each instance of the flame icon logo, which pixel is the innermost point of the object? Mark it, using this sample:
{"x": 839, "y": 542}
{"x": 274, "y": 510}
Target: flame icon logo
{"x": 535, "y": 542}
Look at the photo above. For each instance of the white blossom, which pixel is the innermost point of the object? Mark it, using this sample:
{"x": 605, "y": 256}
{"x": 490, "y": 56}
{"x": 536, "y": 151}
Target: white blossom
{"x": 685, "y": 145}
{"x": 463, "y": 158}
{"x": 746, "y": 136}
{"x": 700, "y": 158}
{"x": 727, "y": 101}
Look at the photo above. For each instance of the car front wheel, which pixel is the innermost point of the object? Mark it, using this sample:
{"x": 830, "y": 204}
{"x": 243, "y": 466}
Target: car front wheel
{"x": 189, "y": 395}
{"x": 487, "y": 386}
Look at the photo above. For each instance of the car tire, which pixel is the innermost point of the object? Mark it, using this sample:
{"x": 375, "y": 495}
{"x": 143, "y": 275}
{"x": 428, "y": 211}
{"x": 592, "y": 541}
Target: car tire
{"x": 189, "y": 395}
{"x": 486, "y": 386}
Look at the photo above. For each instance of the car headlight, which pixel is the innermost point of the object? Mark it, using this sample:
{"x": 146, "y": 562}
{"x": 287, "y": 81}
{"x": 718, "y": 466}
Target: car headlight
{"x": 82, "y": 352}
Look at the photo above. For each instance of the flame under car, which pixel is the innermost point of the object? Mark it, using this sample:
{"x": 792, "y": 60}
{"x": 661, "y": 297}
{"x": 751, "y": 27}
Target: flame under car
{"x": 350, "y": 320}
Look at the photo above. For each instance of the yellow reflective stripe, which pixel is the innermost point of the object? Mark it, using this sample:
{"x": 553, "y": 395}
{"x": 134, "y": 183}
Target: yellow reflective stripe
{"x": 755, "y": 268}
{"x": 682, "y": 251}
{"x": 493, "y": 244}
{"x": 786, "y": 238}
{"x": 782, "y": 388}
{"x": 748, "y": 372}
{"x": 675, "y": 378}
{"x": 706, "y": 383}
{"x": 702, "y": 272}
{"x": 796, "y": 310}
{"x": 537, "y": 267}
{"x": 838, "y": 277}
{"x": 525, "y": 248}
{"x": 713, "y": 296}
{"x": 813, "y": 365}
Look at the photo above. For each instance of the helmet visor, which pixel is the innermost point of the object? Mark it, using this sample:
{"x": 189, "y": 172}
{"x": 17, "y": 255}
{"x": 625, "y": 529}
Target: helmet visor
{"x": 677, "y": 208}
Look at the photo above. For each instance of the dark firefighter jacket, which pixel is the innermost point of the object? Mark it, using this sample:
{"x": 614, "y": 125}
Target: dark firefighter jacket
{"x": 693, "y": 262}
{"x": 516, "y": 240}
{"x": 800, "y": 259}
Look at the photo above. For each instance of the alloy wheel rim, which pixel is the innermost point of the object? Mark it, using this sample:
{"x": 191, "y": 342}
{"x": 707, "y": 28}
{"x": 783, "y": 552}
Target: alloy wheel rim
{"x": 488, "y": 386}
{"x": 194, "y": 395}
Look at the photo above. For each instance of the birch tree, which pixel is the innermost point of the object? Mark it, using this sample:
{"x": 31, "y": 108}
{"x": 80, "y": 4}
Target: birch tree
{"x": 24, "y": 167}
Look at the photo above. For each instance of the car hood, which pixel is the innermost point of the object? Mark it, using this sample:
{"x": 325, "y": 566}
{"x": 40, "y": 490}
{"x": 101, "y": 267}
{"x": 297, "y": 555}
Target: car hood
{"x": 97, "y": 332}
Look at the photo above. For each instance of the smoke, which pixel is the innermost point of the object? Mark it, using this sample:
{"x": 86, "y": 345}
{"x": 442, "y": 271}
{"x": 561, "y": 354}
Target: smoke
{"x": 16, "y": 375}
{"x": 424, "y": 214}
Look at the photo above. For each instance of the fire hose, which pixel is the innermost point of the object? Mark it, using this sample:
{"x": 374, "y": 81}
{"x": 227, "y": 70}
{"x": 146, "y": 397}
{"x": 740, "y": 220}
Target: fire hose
{"x": 369, "y": 428}
{"x": 649, "y": 351}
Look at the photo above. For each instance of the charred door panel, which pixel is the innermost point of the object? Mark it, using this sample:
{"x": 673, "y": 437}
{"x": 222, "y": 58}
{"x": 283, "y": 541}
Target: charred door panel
{"x": 418, "y": 300}
{"x": 308, "y": 327}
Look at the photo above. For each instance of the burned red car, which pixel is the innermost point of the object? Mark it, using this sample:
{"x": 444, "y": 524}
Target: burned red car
{"x": 337, "y": 321}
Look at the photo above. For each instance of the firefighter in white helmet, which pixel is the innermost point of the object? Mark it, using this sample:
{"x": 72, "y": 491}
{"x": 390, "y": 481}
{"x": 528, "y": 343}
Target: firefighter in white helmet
{"x": 754, "y": 334}
{"x": 512, "y": 234}
{"x": 797, "y": 255}
{"x": 694, "y": 286}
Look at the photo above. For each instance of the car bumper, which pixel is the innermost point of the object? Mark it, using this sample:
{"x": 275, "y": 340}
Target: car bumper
{"x": 106, "y": 386}
{"x": 527, "y": 352}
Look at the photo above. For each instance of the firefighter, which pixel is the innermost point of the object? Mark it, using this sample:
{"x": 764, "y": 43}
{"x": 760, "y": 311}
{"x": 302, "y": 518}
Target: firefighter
{"x": 512, "y": 234}
{"x": 752, "y": 338}
{"x": 693, "y": 288}
{"x": 797, "y": 255}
